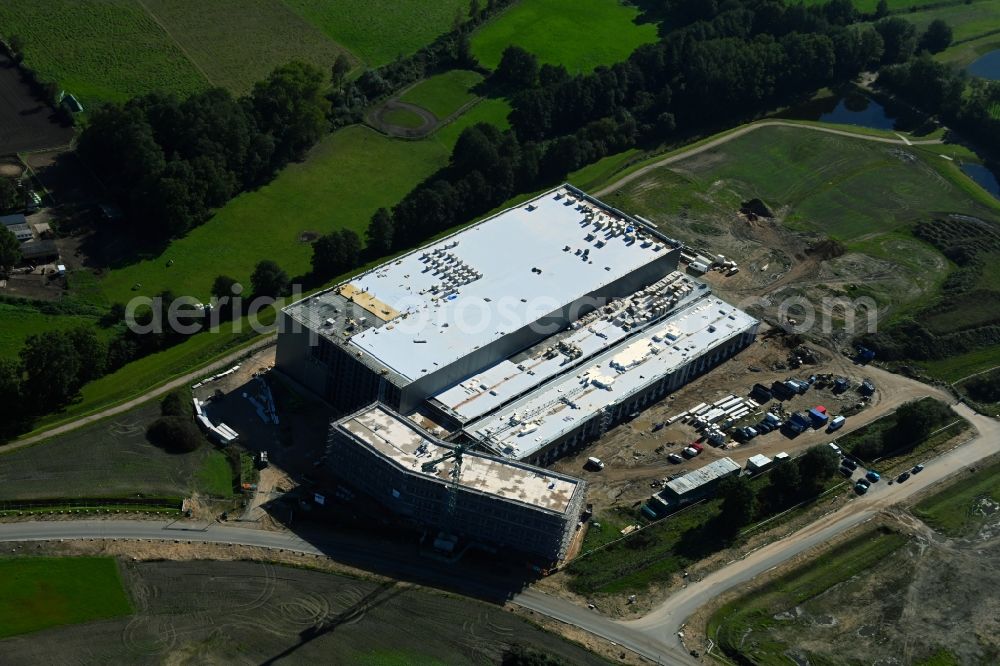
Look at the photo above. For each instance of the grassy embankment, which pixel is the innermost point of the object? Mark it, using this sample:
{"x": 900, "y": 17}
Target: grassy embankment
{"x": 112, "y": 459}
{"x": 444, "y": 94}
{"x": 38, "y": 593}
{"x": 741, "y": 627}
{"x": 962, "y": 507}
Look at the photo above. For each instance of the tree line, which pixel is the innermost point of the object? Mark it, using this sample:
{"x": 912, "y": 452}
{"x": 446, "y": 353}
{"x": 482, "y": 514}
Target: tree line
{"x": 723, "y": 63}
{"x": 170, "y": 161}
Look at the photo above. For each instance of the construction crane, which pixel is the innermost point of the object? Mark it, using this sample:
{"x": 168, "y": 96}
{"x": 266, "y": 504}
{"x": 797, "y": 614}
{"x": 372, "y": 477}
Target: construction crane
{"x": 452, "y": 488}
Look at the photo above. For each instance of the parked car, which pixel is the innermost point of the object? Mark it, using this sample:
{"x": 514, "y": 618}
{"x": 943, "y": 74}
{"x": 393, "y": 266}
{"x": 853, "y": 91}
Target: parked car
{"x": 835, "y": 449}
{"x": 675, "y": 459}
{"x": 847, "y": 471}
{"x": 697, "y": 447}
{"x": 873, "y": 476}
{"x": 690, "y": 451}
{"x": 849, "y": 464}
{"x": 595, "y": 464}
{"x": 917, "y": 469}
{"x": 902, "y": 477}
{"x": 861, "y": 487}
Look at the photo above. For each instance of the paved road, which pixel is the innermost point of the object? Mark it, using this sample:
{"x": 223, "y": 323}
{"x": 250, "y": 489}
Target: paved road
{"x": 149, "y": 395}
{"x": 653, "y": 636}
{"x": 746, "y": 129}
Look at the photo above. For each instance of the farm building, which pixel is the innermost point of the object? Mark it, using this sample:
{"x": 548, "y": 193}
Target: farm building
{"x": 496, "y": 501}
{"x": 39, "y": 250}
{"x": 527, "y": 334}
{"x": 17, "y": 219}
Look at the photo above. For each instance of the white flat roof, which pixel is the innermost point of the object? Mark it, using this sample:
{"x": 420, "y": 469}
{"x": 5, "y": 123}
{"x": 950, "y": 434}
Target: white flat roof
{"x": 410, "y": 446}
{"x": 531, "y": 422}
{"x": 699, "y": 477}
{"x": 492, "y": 387}
{"x": 472, "y": 288}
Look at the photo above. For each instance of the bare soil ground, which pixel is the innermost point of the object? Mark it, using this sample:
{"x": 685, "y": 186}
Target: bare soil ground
{"x": 251, "y": 612}
{"x": 636, "y": 464}
{"x": 934, "y": 594}
{"x": 26, "y": 123}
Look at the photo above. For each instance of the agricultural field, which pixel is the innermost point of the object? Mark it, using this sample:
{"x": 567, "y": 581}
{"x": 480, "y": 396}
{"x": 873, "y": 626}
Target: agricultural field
{"x": 111, "y": 459}
{"x": 38, "y": 593}
{"x": 100, "y": 50}
{"x": 236, "y": 43}
{"x": 444, "y": 94}
{"x": 968, "y": 20}
{"x": 580, "y": 35}
{"x": 296, "y": 615}
{"x": 966, "y": 506}
{"x": 378, "y": 31}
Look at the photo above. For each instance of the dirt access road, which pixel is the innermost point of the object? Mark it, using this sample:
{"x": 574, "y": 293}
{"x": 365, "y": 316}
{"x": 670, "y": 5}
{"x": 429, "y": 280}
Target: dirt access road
{"x": 653, "y": 636}
{"x": 149, "y": 395}
{"x": 746, "y": 129}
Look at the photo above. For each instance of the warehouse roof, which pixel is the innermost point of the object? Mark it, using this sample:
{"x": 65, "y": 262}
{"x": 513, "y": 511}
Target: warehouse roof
{"x": 440, "y": 303}
{"x": 410, "y": 446}
{"x": 694, "y": 480}
{"x": 546, "y": 413}
{"x": 594, "y": 333}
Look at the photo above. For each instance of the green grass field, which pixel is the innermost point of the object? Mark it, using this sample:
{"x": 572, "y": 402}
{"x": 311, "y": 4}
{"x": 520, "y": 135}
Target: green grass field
{"x": 868, "y": 6}
{"x": 402, "y": 118}
{"x": 18, "y": 322}
{"x": 343, "y": 181}
{"x": 345, "y": 178}
{"x": 99, "y": 49}
{"x": 580, "y": 34}
{"x": 958, "y": 510}
{"x": 41, "y": 592}
{"x": 741, "y": 627}
{"x": 377, "y": 31}
{"x": 111, "y": 459}
{"x": 968, "y": 21}
{"x": 838, "y": 186}
{"x": 444, "y": 94}
{"x": 236, "y": 43}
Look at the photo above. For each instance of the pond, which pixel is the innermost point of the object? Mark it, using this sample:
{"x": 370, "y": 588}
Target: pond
{"x": 987, "y": 66}
{"x": 986, "y": 178}
{"x": 854, "y": 109}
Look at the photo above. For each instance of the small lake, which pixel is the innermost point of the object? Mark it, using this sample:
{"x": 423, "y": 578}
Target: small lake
{"x": 854, "y": 109}
{"x": 986, "y": 178}
{"x": 987, "y": 67}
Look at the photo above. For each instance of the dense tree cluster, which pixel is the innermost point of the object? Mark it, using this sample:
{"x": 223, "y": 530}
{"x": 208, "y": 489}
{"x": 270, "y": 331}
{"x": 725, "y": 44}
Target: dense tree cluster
{"x": 725, "y": 62}
{"x": 935, "y": 88}
{"x": 176, "y": 430}
{"x": 984, "y": 388}
{"x": 10, "y": 251}
{"x": 912, "y": 423}
{"x": 170, "y": 161}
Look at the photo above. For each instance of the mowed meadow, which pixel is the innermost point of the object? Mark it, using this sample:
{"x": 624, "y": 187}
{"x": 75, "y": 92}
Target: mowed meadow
{"x": 579, "y": 34}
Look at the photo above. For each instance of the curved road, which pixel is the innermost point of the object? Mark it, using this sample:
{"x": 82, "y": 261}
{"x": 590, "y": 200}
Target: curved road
{"x": 746, "y": 129}
{"x": 654, "y": 635}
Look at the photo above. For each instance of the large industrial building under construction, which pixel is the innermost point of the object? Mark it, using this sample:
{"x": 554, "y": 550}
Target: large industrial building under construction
{"x": 480, "y": 497}
{"x": 525, "y": 335}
